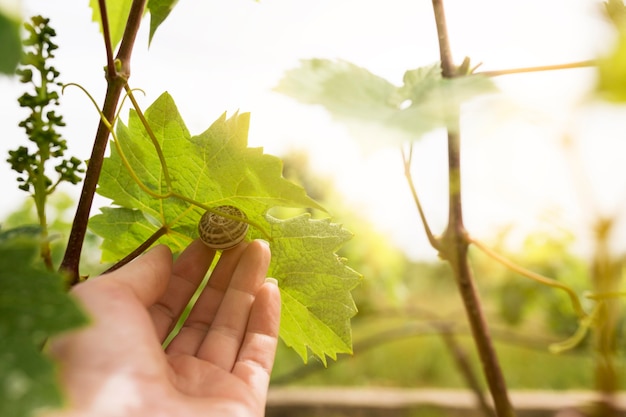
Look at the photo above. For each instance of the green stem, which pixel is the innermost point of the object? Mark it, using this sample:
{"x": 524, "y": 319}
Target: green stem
{"x": 40, "y": 196}
{"x": 606, "y": 277}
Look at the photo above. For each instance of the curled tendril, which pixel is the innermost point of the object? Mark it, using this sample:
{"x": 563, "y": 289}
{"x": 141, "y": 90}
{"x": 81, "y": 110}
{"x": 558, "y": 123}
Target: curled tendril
{"x": 583, "y": 328}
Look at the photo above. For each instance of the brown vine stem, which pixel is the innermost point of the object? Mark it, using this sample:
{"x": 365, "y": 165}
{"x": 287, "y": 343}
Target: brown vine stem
{"x": 454, "y": 244}
{"x": 106, "y": 34}
{"x": 115, "y": 85}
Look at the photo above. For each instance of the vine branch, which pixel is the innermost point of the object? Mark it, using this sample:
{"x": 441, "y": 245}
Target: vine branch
{"x": 454, "y": 244}
{"x": 106, "y": 34}
{"x": 115, "y": 85}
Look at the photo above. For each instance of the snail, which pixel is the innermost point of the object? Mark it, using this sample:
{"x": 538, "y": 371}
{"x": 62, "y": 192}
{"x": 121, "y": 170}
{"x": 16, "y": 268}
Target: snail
{"x": 222, "y": 233}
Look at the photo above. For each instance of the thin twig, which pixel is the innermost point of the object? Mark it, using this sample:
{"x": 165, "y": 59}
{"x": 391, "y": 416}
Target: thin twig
{"x": 139, "y": 250}
{"x": 106, "y": 34}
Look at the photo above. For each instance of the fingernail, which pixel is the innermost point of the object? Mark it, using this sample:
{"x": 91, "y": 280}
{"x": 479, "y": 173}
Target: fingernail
{"x": 263, "y": 241}
{"x": 271, "y": 281}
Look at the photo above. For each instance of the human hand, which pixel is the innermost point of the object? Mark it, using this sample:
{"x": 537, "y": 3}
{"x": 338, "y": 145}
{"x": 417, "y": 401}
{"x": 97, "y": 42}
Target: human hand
{"x": 220, "y": 362}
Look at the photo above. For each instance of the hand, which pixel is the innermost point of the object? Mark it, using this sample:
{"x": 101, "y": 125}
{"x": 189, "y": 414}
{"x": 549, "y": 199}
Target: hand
{"x": 220, "y": 362}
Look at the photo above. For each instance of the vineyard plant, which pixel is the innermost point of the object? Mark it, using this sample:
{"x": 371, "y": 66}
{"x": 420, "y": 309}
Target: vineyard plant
{"x": 159, "y": 179}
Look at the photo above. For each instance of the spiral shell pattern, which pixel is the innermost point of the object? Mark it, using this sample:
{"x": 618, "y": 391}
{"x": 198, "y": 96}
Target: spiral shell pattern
{"x": 222, "y": 233}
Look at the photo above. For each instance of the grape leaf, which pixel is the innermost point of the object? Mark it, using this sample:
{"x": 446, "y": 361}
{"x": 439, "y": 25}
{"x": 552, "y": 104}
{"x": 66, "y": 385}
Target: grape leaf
{"x": 212, "y": 169}
{"x": 117, "y": 13}
{"x": 159, "y": 11}
{"x": 315, "y": 285}
{"x": 33, "y": 307}
{"x": 365, "y": 101}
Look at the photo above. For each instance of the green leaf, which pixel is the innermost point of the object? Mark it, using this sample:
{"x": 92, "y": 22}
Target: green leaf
{"x": 159, "y": 11}
{"x": 132, "y": 224}
{"x": 217, "y": 168}
{"x": 315, "y": 285}
{"x": 11, "y": 43}
{"x": 117, "y": 13}
{"x": 611, "y": 84}
{"x": 355, "y": 96}
{"x": 33, "y": 307}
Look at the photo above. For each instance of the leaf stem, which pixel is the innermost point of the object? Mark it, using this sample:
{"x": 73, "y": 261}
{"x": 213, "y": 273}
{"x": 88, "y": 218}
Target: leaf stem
{"x": 454, "y": 244}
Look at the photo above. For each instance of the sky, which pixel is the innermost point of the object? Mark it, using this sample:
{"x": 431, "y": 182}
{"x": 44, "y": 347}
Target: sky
{"x": 218, "y": 55}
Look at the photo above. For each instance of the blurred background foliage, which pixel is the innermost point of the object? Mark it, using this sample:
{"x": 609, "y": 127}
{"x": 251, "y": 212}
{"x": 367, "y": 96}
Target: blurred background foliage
{"x": 406, "y": 306}
{"x": 60, "y": 210}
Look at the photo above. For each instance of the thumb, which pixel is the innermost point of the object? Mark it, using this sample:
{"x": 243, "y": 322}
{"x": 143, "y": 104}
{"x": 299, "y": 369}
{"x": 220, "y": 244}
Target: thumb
{"x": 147, "y": 276}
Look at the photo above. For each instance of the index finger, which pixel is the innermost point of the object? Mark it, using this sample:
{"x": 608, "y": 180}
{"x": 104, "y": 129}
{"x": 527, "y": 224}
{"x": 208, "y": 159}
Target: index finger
{"x": 187, "y": 274}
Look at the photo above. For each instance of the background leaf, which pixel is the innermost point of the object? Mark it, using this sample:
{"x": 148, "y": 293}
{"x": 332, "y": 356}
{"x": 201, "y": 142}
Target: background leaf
{"x": 611, "y": 83}
{"x": 159, "y": 10}
{"x": 117, "y": 12}
{"x": 11, "y": 43}
{"x": 33, "y": 307}
{"x": 217, "y": 168}
{"x": 362, "y": 100}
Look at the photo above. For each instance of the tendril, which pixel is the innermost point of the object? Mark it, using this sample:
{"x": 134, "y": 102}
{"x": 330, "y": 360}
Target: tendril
{"x": 575, "y": 301}
{"x": 583, "y": 328}
{"x": 118, "y": 147}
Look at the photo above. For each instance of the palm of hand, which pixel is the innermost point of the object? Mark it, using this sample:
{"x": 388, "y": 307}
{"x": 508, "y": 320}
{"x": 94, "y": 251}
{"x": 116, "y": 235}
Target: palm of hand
{"x": 220, "y": 361}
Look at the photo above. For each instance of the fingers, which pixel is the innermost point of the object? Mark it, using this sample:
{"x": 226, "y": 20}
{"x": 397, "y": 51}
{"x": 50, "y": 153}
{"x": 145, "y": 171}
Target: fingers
{"x": 223, "y": 342}
{"x": 219, "y": 319}
{"x": 187, "y": 273}
{"x": 121, "y": 333}
{"x": 256, "y": 356}
{"x": 197, "y": 325}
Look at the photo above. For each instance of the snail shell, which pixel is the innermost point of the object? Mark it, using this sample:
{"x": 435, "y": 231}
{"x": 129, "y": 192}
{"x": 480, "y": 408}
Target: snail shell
{"x": 222, "y": 233}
